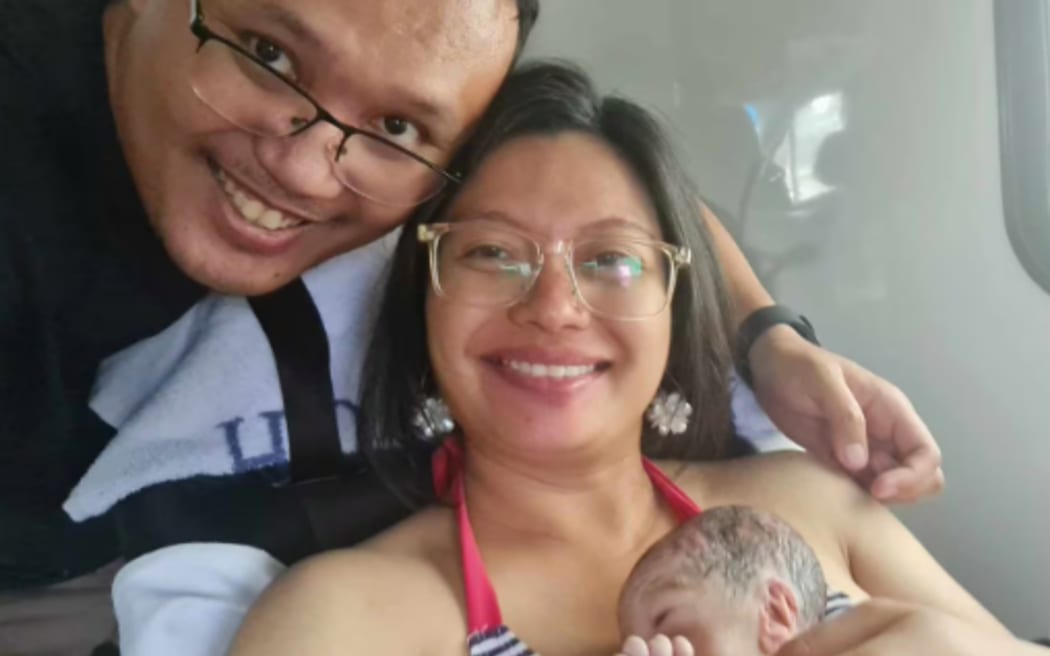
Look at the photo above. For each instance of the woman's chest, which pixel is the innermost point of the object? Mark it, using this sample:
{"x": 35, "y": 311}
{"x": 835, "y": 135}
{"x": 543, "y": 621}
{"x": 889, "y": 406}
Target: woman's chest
{"x": 564, "y": 605}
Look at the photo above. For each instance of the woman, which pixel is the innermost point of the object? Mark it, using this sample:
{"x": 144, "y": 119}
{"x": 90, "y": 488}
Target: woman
{"x": 573, "y": 303}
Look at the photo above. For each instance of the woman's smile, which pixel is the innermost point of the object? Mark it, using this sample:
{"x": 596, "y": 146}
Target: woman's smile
{"x": 548, "y": 375}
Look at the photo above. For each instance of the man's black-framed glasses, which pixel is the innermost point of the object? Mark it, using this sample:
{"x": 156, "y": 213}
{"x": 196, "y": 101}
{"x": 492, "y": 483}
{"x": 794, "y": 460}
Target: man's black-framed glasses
{"x": 244, "y": 90}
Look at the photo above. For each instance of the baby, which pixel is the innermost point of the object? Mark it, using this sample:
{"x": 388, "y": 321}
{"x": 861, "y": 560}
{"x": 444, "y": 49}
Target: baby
{"x": 732, "y": 581}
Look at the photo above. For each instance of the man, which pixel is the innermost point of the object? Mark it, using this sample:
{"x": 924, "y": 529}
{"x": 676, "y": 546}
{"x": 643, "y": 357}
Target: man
{"x": 155, "y": 152}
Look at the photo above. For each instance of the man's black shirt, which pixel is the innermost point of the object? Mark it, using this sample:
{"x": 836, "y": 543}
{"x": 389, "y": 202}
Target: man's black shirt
{"x": 81, "y": 277}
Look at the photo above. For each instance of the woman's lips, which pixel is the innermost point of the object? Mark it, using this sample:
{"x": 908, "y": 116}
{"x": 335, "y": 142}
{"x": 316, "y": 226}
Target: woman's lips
{"x": 555, "y": 378}
{"x": 554, "y": 371}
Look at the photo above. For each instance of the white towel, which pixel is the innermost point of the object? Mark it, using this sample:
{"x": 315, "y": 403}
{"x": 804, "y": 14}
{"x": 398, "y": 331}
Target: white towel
{"x": 203, "y": 398}
{"x": 189, "y": 599}
{"x": 751, "y": 422}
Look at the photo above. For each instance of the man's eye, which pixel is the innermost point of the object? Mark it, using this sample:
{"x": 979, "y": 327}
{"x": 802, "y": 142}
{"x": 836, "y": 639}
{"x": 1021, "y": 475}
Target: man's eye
{"x": 395, "y": 125}
{"x": 270, "y": 54}
{"x": 401, "y": 131}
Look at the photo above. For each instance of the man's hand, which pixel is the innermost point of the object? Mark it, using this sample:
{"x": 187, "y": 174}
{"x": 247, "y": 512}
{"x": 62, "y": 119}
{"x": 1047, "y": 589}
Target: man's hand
{"x": 889, "y": 628}
{"x": 845, "y": 415}
{"x": 660, "y": 645}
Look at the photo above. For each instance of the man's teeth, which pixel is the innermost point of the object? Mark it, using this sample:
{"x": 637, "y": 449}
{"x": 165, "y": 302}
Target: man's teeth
{"x": 254, "y": 210}
{"x": 549, "y": 370}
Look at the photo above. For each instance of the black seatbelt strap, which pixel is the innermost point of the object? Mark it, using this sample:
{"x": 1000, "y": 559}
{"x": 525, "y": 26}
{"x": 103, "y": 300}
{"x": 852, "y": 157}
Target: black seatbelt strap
{"x": 300, "y": 348}
{"x": 297, "y": 337}
{"x": 343, "y": 498}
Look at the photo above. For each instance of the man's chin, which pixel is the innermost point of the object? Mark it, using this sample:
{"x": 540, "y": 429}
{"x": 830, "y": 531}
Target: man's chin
{"x": 238, "y": 285}
{"x": 253, "y": 286}
{"x": 238, "y": 274}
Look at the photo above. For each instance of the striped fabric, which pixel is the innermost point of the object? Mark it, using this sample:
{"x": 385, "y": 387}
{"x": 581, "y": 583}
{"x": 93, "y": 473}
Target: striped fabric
{"x": 497, "y": 642}
{"x": 837, "y": 603}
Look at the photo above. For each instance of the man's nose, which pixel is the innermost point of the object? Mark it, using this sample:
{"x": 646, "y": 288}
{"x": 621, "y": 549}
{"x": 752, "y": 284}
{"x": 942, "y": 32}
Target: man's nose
{"x": 303, "y": 163}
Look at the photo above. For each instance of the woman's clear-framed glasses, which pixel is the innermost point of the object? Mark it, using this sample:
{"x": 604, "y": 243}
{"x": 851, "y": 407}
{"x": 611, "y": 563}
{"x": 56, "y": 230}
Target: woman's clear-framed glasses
{"x": 615, "y": 275}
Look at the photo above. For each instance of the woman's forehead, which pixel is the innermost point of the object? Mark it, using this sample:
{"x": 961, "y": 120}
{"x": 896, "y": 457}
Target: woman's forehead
{"x": 616, "y": 227}
{"x": 558, "y": 185}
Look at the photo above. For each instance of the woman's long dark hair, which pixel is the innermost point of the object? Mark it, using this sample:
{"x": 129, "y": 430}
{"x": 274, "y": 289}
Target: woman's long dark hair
{"x": 549, "y": 98}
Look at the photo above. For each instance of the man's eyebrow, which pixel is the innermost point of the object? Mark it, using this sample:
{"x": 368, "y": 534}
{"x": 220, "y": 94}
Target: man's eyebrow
{"x": 423, "y": 107}
{"x": 292, "y": 23}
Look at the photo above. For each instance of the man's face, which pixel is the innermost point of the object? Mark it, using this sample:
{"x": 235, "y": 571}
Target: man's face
{"x": 243, "y": 213}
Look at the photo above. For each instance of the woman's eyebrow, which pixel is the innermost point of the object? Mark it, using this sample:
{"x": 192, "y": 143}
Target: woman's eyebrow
{"x": 616, "y": 222}
{"x": 613, "y": 223}
{"x": 495, "y": 216}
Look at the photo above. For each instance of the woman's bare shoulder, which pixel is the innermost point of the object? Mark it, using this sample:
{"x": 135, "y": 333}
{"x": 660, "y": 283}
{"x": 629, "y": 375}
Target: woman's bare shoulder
{"x": 419, "y": 553}
{"x": 428, "y": 533}
{"x": 361, "y": 577}
{"x": 358, "y": 596}
{"x": 820, "y": 503}
{"x": 784, "y": 479}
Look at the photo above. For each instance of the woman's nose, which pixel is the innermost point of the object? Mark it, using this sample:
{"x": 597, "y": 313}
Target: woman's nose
{"x": 552, "y": 302}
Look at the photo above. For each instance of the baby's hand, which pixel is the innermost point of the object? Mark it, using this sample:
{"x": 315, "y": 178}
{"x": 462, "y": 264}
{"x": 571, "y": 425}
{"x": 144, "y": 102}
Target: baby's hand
{"x": 661, "y": 645}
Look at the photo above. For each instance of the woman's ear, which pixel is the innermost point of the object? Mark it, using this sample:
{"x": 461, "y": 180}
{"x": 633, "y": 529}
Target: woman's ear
{"x": 778, "y": 616}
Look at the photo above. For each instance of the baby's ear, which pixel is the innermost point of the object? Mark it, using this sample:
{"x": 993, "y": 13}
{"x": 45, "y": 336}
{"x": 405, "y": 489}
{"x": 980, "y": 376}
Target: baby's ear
{"x": 778, "y": 616}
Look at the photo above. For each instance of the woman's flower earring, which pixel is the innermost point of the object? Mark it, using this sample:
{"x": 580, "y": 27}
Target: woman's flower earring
{"x": 432, "y": 418}
{"x": 669, "y": 413}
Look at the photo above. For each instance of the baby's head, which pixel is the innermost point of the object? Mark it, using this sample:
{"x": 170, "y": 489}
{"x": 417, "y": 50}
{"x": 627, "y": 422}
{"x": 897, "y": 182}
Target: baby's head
{"x": 733, "y": 580}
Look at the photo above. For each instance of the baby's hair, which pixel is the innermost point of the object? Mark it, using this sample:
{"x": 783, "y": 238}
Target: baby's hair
{"x": 738, "y": 545}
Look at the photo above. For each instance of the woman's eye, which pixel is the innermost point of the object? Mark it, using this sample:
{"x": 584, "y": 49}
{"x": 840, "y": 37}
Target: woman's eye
{"x": 271, "y": 54}
{"x": 496, "y": 259}
{"x": 614, "y": 259}
{"x": 617, "y": 265}
{"x": 487, "y": 253}
{"x": 401, "y": 131}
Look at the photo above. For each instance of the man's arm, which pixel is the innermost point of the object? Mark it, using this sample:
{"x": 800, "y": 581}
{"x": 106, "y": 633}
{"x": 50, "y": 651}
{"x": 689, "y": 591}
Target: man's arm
{"x": 836, "y": 409}
{"x": 745, "y": 289}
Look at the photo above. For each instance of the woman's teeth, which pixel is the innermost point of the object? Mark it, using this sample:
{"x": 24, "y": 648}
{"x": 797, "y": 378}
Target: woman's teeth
{"x": 253, "y": 210}
{"x": 549, "y": 371}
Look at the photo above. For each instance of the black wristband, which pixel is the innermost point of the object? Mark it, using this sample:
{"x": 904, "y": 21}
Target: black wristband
{"x": 759, "y": 322}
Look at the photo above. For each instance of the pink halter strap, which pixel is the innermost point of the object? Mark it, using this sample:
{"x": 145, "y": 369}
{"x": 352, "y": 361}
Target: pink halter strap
{"x": 483, "y": 612}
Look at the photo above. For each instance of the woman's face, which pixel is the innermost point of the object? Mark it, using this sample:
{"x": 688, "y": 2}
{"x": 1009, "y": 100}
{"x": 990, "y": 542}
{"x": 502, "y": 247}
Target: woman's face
{"x": 546, "y": 372}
